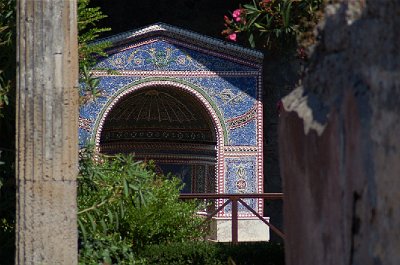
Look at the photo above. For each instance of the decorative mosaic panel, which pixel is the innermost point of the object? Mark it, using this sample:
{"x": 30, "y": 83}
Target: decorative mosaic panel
{"x": 241, "y": 177}
{"x": 223, "y": 77}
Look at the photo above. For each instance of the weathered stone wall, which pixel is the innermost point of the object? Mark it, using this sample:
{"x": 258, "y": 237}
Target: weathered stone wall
{"x": 339, "y": 142}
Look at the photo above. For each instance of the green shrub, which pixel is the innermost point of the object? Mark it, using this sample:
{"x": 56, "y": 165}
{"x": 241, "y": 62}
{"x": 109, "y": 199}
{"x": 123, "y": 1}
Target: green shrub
{"x": 108, "y": 249}
{"x": 124, "y": 206}
{"x": 200, "y": 253}
{"x": 196, "y": 253}
{"x": 164, "y": 218}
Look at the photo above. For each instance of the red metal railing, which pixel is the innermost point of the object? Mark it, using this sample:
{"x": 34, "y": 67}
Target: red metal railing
{"x": 235, "y": 199}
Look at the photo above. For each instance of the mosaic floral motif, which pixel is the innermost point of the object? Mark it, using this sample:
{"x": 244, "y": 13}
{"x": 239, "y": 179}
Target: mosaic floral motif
{"x": 241, "y": 183}
{"x": 227, "y": 96}
{"x": 155, "y": 54}
{"x": 241, "y": 178}
{"x": 233, "y": 96}
{"x": 240, "y": 169}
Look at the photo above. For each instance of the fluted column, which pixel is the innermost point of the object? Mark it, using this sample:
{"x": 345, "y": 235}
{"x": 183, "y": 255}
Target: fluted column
{"x": 47, "y": 106}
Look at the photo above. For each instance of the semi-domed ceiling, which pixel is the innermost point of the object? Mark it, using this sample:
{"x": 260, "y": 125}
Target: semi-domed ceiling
{"x": 158, "y": 114}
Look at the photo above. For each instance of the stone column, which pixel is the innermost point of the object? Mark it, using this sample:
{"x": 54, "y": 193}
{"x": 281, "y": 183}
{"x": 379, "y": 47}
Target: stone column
{"x": 47, "y": 126}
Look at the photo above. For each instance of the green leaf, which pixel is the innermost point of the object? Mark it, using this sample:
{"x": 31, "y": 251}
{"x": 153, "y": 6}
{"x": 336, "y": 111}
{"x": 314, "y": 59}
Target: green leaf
{"x": 116, "y": 221}
{"x": 104, "y": 226}
{"x": 82, "y": 229}
{"x": 122, "y": 210}
{"x": 126, "y": 187}
{"x": 253, "y": 19}
{"x": 286, "y": 13}
{"x": 92, "y": 221}
{"x": 133, "y": 187}
{"x": 110, "y": 216}
{"x": 251, "y": 7}
{"x": 251, "y": 40}
{"x": 259, "y": 26}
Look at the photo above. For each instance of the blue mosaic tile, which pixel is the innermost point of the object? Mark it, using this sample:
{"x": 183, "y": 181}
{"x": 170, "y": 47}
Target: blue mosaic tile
{"x": 234, "y": 96}
{"x": 108, "y": 86}
{"x": 241, "y": 209}
{"x": 245, "y": 135}
{"x": 111, "y": 84}
{"x": 84, "y": 137}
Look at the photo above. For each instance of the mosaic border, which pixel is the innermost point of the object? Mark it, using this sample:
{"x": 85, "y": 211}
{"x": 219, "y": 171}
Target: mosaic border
{"x": 102, "y": 73}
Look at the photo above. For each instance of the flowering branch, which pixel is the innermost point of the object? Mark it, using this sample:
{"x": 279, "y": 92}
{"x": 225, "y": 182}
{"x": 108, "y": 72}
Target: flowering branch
{"x": 269, "y": 23}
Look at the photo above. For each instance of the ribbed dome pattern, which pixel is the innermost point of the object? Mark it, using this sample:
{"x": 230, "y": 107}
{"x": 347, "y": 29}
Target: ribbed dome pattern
{"x": 158, "y": 113}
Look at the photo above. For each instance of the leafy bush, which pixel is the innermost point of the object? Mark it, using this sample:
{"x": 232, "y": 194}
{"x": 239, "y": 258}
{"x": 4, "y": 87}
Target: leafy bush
{"x": 200, "y": 253}
{"x": 196, "y": 253}
{"x": 106, "y": 248}
{"x": 124, "y": 206}
{"x": 164, "y": 218}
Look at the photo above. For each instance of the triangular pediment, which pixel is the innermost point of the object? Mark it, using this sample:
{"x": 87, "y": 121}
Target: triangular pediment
{"x": 165, "y": 47}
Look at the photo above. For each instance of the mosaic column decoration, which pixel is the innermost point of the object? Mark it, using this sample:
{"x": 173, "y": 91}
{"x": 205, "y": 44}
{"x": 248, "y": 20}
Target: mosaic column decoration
{"x": 47, "y": 125}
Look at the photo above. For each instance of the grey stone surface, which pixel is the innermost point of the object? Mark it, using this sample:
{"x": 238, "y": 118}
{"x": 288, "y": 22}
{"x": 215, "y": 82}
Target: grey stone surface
{"x": 249, "y": 230}
{"x": 341, "y": 172}
{"x": 47, "y": 132}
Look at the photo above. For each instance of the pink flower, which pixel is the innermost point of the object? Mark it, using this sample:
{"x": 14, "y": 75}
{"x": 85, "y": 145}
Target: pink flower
{"x": 227, "y": 20}
{"x": 232, "y": 37}
{"x": 236, "y": 15}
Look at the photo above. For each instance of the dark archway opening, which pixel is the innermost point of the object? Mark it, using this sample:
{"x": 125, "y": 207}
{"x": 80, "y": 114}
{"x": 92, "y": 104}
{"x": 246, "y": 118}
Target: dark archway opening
{"x": 169, "y": 126}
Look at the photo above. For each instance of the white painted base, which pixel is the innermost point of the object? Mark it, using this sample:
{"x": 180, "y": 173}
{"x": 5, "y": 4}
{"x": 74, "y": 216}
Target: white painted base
{"x": 250, "y": 230}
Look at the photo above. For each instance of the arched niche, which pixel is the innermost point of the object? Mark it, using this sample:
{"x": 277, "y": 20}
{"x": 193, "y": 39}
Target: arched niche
{"x": 168, "y": 125}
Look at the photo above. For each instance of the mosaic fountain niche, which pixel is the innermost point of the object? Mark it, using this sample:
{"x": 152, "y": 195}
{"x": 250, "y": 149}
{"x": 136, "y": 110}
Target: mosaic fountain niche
{"x": 192, "y": 104}
{"x": 167, "y": 125}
